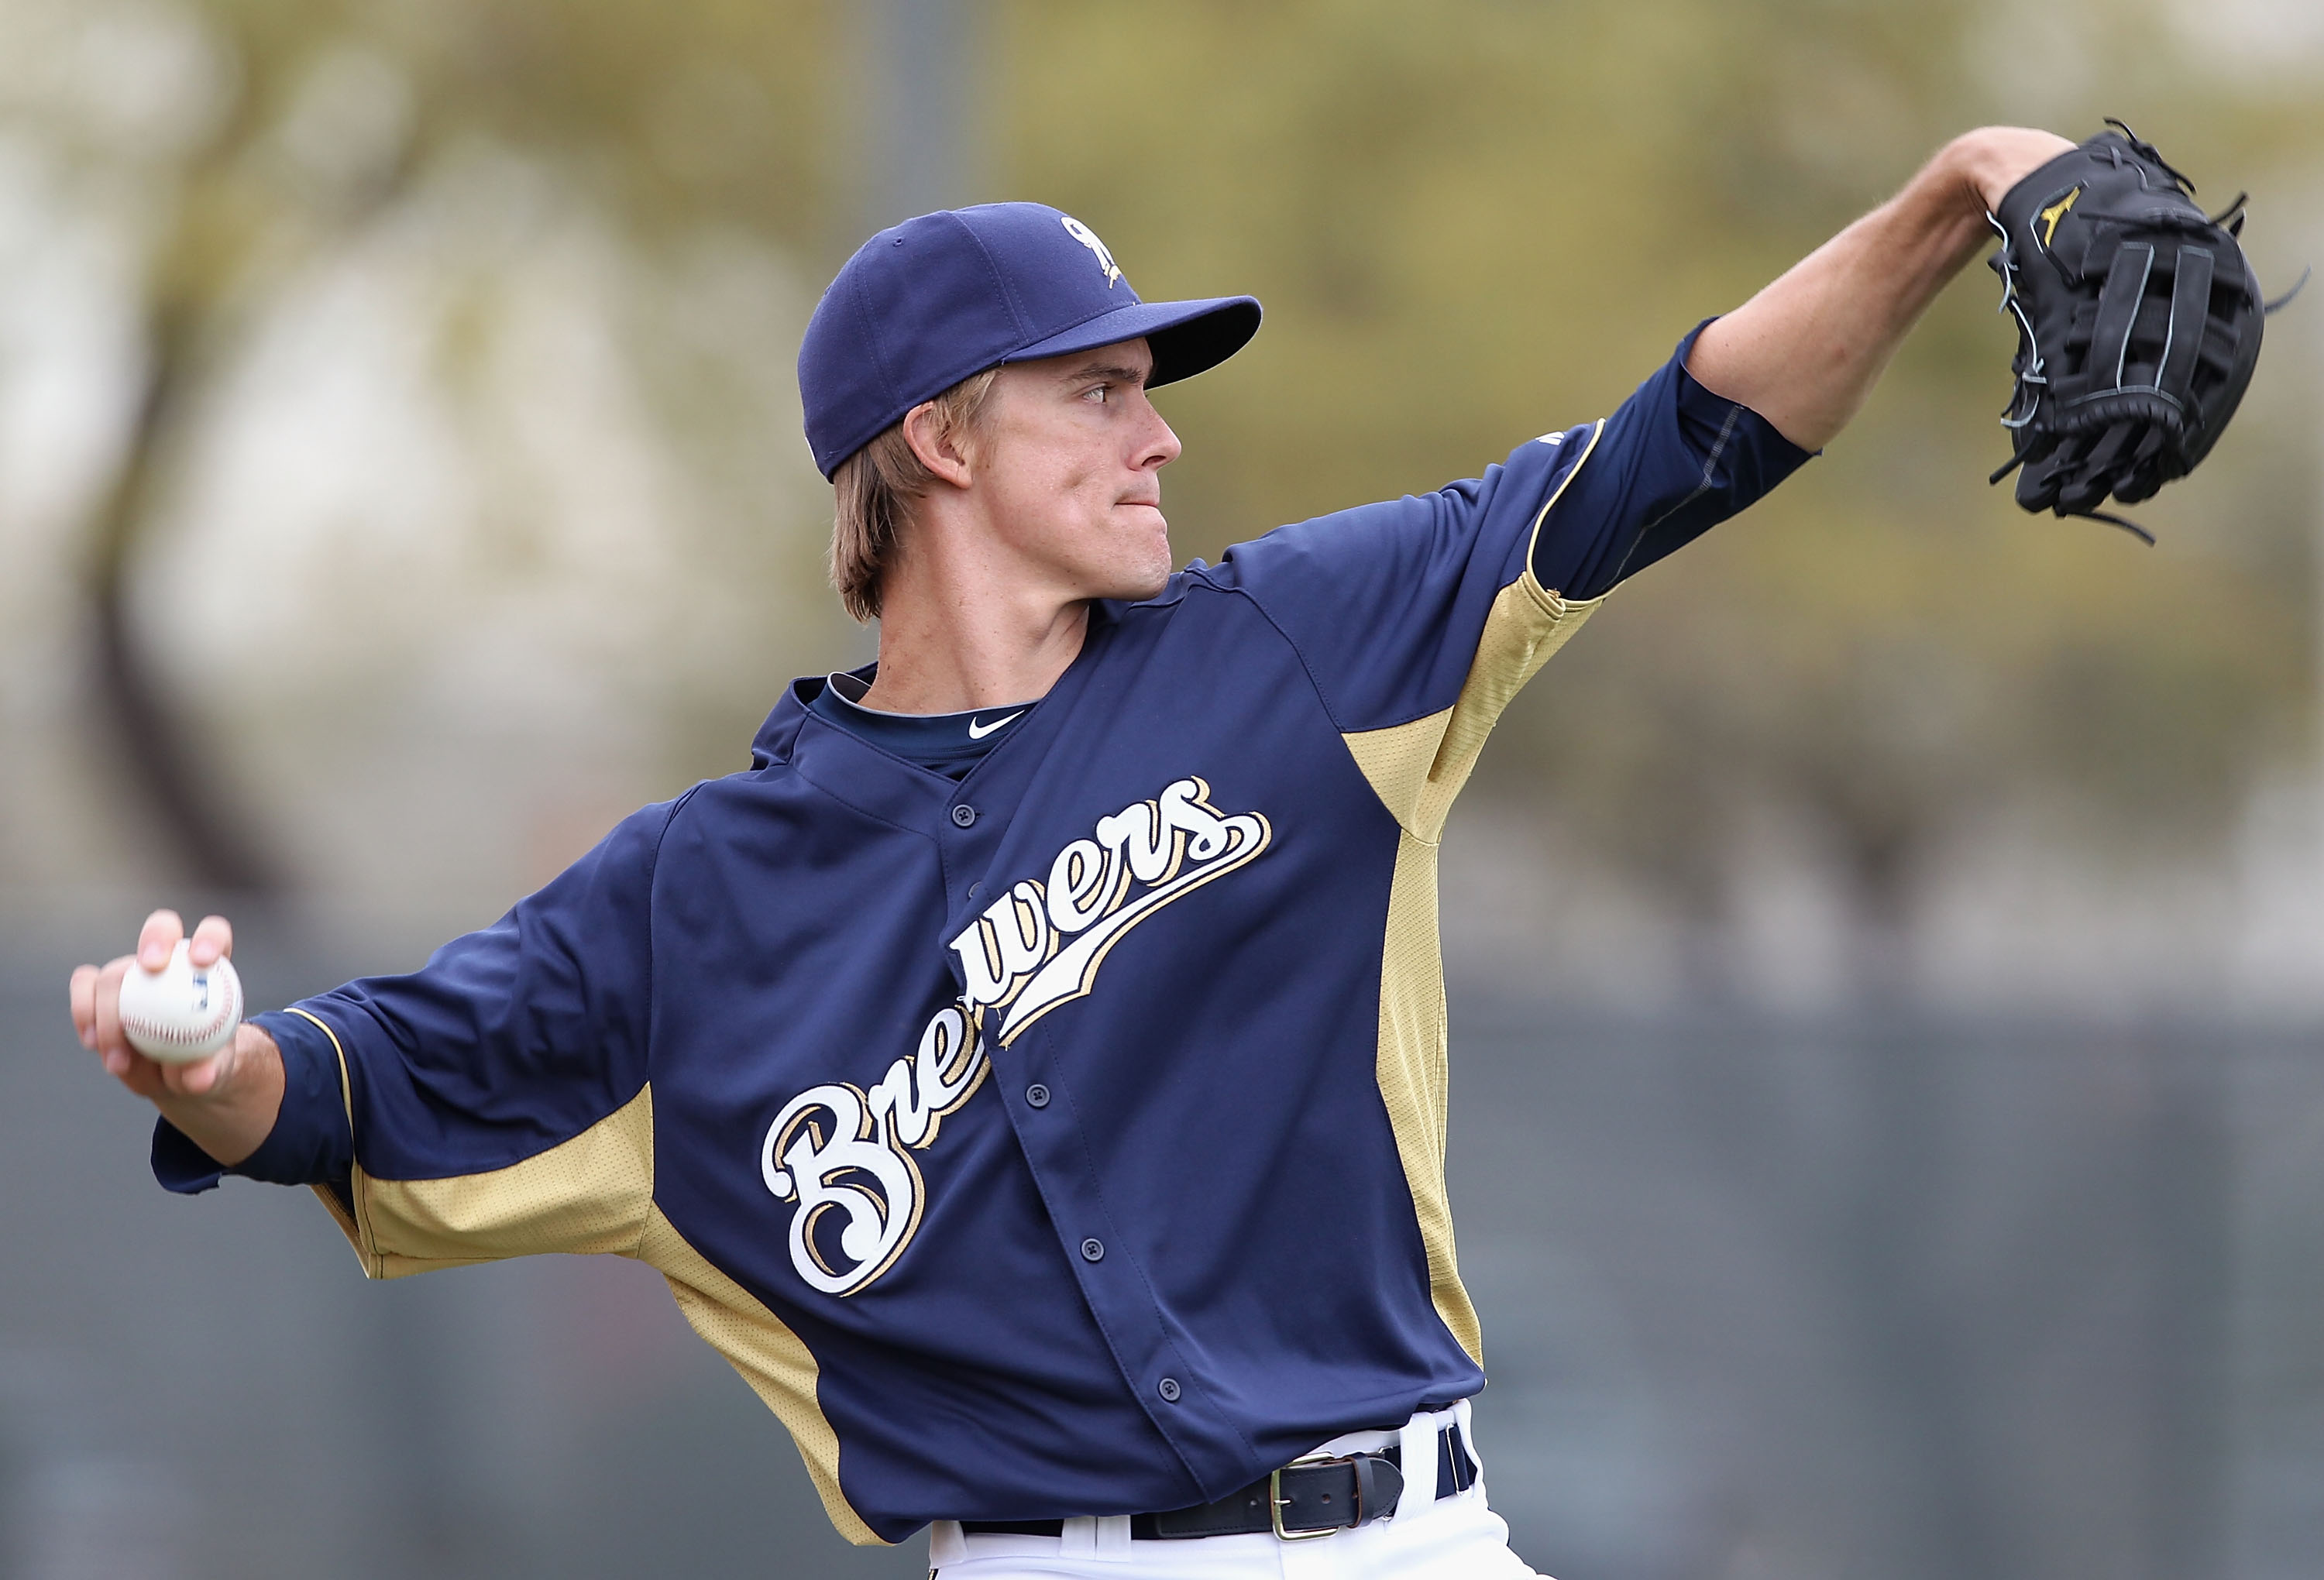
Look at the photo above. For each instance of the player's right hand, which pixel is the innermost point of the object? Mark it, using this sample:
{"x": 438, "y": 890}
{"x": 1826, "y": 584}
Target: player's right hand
{"x": 97, "y": 1014}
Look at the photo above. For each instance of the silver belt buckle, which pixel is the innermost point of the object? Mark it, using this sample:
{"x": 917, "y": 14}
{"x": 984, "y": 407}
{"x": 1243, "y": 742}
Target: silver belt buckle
{"x": 1277, "y": 1502}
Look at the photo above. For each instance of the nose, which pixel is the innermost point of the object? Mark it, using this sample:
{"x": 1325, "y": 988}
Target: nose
{"x": 1159, "y": 445}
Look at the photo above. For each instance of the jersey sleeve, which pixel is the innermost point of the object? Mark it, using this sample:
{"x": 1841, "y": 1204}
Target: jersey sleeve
{"x": 1399, "y": 609}
{"x": 1673, "y": 462}
{"x": 494, "y": 1102}
{"x": 311, "y": 1143}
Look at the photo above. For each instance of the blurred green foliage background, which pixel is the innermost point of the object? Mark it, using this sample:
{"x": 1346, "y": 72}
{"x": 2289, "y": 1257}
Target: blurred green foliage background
{"x": 1470, "y": 222}
{"x": 1474, "y": 221}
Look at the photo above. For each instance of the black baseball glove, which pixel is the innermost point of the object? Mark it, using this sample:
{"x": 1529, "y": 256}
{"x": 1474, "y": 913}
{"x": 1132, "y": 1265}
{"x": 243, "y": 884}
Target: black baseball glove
{"x": 2138, "y": 326}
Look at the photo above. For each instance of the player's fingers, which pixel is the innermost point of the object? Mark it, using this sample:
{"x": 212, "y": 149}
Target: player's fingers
{"x": 105, "y": 1007}
{"x": 157, "y": 937}
{"x": 213, "y": 941}
{"x": 141, "y": 1075}
{"x": 83, "y": 1006}
{"x": 121, "y": 1061}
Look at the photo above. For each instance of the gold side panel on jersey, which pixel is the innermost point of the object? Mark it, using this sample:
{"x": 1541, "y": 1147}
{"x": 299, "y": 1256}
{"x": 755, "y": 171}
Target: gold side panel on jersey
{"x": 1413, "y": 1073}
{"x": 590, "y": 1193}
{"x": 347, "y": 1215}
{"x": 1418, "y": 768}
{"x": 595, "y": 1193}
{"x": 772, "y": 1359}
{"x": 346, "y": 1219}
{"x": 1527, "y": 625}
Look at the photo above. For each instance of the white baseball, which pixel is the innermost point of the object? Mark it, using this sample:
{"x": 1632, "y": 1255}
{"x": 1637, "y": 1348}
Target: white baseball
{"x": 182, "y": 1012}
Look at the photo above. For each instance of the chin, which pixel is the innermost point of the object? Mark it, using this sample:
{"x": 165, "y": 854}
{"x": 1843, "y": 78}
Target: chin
{"x": 1132, "y": 586}
{"x": 1156, "y": 571}
{"x": 1142, "y": 576}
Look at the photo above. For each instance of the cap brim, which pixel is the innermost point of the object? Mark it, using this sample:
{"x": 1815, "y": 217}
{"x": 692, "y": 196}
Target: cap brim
{"x": 1185, "y": 338}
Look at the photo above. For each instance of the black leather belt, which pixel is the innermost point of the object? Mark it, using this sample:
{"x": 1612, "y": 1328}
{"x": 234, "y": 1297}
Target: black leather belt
{"x": 1306, "y": 1499}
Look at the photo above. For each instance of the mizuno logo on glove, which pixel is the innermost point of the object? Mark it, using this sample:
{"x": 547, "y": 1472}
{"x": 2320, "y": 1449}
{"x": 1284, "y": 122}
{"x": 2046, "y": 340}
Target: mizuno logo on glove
{"x": 2054, "y": 213}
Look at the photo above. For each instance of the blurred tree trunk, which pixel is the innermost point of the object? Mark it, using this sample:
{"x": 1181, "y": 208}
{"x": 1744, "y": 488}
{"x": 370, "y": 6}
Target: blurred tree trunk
{"x": 186, "y": 799}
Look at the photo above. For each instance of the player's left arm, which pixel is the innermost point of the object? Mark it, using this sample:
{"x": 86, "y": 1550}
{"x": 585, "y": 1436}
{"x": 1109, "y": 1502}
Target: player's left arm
{"x": 1806, "y": 351}
{"x": 1387, "y": 604}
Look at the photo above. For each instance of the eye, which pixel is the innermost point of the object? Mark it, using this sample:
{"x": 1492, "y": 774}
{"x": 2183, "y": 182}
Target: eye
{"x": 1099, "y": 393}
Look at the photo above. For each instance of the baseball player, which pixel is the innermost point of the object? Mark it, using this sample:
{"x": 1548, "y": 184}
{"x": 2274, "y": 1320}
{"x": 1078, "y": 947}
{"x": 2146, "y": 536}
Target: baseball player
{"x": 1030, "y": 1071}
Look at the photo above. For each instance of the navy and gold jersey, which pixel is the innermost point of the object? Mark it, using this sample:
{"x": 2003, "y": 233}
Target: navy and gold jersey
{"x": 1064, "y": 1138}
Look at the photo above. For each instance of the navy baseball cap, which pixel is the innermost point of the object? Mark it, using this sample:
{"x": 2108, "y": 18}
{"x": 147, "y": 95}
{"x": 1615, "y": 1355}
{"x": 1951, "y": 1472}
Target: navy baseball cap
{"x": 927, "y": 303}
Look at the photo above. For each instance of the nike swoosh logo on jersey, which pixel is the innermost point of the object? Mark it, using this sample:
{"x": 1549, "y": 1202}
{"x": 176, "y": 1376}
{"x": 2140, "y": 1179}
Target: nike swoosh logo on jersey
{"x": 977, "y": 731}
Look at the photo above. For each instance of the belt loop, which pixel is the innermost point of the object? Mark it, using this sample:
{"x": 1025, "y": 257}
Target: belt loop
{"x": 1113, "y": 1536}
{"x": 947, "y": 1545}
{"x": 1468, "y": 1444}
{"x": 1417, "y": 1446}
{"x": 1079, "y": 1539}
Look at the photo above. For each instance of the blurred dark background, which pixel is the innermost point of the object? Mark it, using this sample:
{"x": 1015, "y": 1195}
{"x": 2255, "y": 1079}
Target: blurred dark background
{"x": 1888, "y": 948}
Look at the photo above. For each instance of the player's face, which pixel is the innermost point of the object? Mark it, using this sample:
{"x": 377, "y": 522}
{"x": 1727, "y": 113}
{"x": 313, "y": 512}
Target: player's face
{"x": 1069, "y": 454}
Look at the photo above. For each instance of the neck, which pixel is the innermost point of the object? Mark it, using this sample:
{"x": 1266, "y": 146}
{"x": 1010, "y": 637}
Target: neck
{"x": 959, "y": 630}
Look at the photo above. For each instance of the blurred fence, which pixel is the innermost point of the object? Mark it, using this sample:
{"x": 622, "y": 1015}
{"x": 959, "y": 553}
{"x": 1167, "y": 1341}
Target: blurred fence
{"x": 1829, "y": 1298}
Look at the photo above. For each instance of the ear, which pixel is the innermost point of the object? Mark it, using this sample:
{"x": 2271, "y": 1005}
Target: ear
{"x": 938, "y": 445}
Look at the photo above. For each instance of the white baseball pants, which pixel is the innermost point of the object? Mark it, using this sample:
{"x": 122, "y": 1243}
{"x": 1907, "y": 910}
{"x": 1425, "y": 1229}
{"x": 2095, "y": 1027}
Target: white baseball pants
{"x": 1426, "y": 1539}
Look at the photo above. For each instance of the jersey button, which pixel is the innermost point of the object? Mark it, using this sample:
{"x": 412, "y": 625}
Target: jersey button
{"x": 963, "y": 815}
{"x": 1169, "y": 1389}
{"x": 1037, "y": 1095}
{"x": 1092, "y": 1250}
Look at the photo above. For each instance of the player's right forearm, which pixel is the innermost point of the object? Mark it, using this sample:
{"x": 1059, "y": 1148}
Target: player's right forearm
{"x": 238, "y": 1112}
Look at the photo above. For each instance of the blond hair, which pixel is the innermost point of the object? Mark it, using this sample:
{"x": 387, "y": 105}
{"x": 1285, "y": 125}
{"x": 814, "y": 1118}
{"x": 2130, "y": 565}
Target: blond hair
{"x": 873, "y": 485}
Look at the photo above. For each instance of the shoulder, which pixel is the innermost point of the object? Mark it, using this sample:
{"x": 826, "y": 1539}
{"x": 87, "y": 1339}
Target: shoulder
{"x": 1407, "y": 531}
